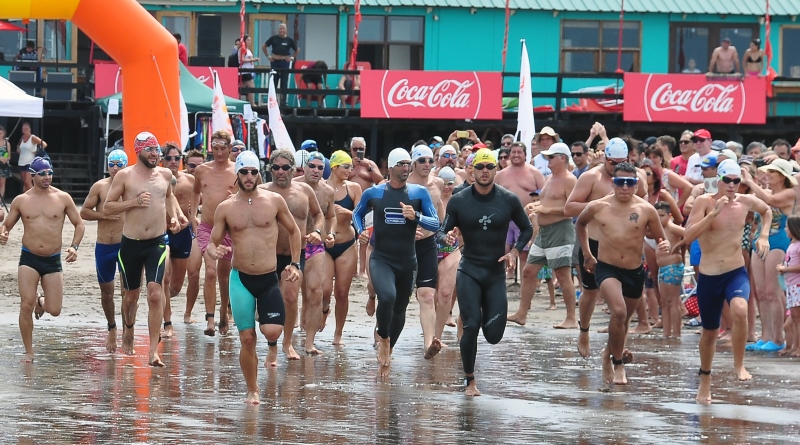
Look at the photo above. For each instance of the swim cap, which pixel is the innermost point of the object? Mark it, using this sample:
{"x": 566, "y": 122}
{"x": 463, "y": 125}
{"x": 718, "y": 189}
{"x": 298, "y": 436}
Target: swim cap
{"x": 421, "y": 151}
{"x": 40, "y": 164}
{"x": 447, "y": 174}
{"x": 247, "y": 159}
{"x": 447, "y": 149}
{"x": 300, "y": 159}
{"x": 616, "y": 148}
{"x": 729, "y": 167}
{"x": 340, "y": 157}
{"x": 484, "y": 155}
{"x": 118, "y": 155}
{"x": 315, "y": 156}
{"x": 327, "y": 172}
{"x": 143, "y": 140}
{"x": 397, "y": 156}
{"x": 238, "y": 142}
{"x": 308, "y": 145}
{"x": 470, "y": 158}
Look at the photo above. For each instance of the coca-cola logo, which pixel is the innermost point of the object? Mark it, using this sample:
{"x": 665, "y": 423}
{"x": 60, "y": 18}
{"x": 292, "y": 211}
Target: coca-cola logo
{"x": 432, "y": 93}
{"x": 709, "y": 98}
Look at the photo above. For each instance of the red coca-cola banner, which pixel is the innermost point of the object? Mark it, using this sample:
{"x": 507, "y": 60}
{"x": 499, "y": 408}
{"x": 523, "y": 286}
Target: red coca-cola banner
{"x": 108, "y": 79}
{"x": 693, "y": 98}
{"x": 431, "y": 94}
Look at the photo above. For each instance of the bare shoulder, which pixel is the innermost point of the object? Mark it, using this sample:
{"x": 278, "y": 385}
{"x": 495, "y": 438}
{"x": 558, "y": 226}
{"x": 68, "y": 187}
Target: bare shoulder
{"x": 165, "y": 172}
{"x": 438, "y": 182}
{"x": 304, "y": 187}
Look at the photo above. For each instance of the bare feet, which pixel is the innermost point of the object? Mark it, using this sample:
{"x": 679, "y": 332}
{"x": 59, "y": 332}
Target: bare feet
{"x": 127, "y": 341}
{"x": 627, "y": 356}
{"x": 313, "y": 350}
{"x": 168, "y": 329}
{"x": 371, "y": 306}
{"x": 583, "y": 343}
{"x": 291, "y": 354}
{"x": 608, "y": 369}
{"x": 223, "y": 326}
{"x": 704, "y": 390}
{"x": 567, "y": 324}
{"x": 518, "y": 318}
{"x": 642, "y": 329}
{"x": 187, "y": 318}
{"x": 384, "y": 352}
{"x": 252, "y": 398}
{"x": 658, "y": 325}
{"x": 337, "y": 339}
{"x": 433, "y": 349}
{"x": 111, "y": 340}
{"x": 552, "y": 307}
{"x": 272, "y": 358}
{"x": 619, "y": 375}
{"x": 603, "y": 330}
{"x": 450, "y": 321}
{"x": 211, "y": 329}
{"x": 38, "y": 310}
{"x": 155, "y": 360}
{"x": 383, "y": 371}
{"x": 472, "y": 389}
{"x": 27, "y": 358}
{"x": 324, "y": 319}
{"x": 742, "y": 374}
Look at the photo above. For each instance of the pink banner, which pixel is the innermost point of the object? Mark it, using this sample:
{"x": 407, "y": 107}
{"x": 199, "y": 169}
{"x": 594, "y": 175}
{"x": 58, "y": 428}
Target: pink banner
{"x": 108, "y": 79}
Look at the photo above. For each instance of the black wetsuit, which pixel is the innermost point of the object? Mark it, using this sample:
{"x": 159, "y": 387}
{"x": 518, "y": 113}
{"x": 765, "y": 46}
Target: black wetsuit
{"x": 393, "y": 260}
{"x": 480, "y": 283}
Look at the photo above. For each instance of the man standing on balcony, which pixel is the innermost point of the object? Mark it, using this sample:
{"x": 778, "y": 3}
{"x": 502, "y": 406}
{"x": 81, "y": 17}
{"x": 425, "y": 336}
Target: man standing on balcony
{"x": 282, "y": 57}
{"x": 724, "y": 59}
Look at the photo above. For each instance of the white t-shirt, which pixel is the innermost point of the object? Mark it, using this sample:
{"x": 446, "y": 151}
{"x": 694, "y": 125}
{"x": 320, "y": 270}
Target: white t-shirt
{"x": 693, "y": 170}
{"x": 249, "y": 56}
{"x": 540, "y": 163}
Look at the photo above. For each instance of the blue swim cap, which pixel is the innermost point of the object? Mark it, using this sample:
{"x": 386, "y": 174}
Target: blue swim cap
{"x": 309, "y": 145}
{"x": 327, "y": 172}
{"x": 118, "y": 155}
{"x": 315, "y": 156}
{"x": 38, "y": 164}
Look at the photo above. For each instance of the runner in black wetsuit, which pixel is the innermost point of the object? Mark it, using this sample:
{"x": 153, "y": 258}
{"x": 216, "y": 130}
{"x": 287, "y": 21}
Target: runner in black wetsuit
{"x": 482, "y": 213}
{"x": 398, "y": 208}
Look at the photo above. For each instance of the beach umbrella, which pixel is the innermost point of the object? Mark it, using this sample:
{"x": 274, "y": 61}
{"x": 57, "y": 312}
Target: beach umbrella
{"x": 5, "y": 26}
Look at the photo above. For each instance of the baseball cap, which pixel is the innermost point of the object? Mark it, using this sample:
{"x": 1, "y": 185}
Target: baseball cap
{"x": 247, "y": 159}
{"x": 436, "y": 140}
{"x": 143, "y": 140}
{"x": 709, "y": 161}
{"x": 340, "y": 157}
{"x": 781, "y": 166}
{"x": 39, "y": 163}
{"x": 397, "y": 156}
{"x": 559, "y": 148}
{"x": 718, "y": 145}
{"x": 729, "y": 167}
{"x": 728, "y": 153}
{"x": 421, "y": 151}
{"x": 745, "y": 159}
{"x": 616, "y": 148}
{"x": 484, "y": 155}
{"x": 478, "y": 146}
{"x": 300, "y": 159}
{"x": 308, "y": 145}
{"x": 118, "y": 155}
{"x": 701, "y": 134}
{"x": 315, "y": 155}
{"x": 447, "y": 174}
{"x": 651, "y": 140}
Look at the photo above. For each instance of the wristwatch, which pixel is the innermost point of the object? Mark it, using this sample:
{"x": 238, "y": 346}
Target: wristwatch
{"x": 74, "y": 246}
{"x": 319, "y": 232}
{"x": 417, "y": 215}
{"x": 296, "y": 265}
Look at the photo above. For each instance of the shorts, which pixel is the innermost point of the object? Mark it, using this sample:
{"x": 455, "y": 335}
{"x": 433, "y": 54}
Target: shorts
{"x": 5, "y": 171}
{"x": 671, "y": 274}
{"x": 247, "y": 77}
{"x": 714, "y": 290}
{"x": 632, "y": 280}
{"x": 106, "y": 262}
{"x": 43, "y": 265}
{"x": 251, "y": 293}
{"x": 513, "y": 235}
{"x": 553, "y": 245}
{"x": 204, "y": 238}
{"x": 312, "y": 250}
{"x": 283, "y": 261}
{"x": 180, "y": 244}
{"x": 545, "y": 273}
{"x": 427, "y": 262}
{"x": 648, "y": 279}
{"x": 792, "y": 296}
{"x": 576, "y": 249}
{"x": 587, "y": 278}
{"x": 24, "y": 168}
{"x": 135, "y": 255}
{"x": 444, "y": 251}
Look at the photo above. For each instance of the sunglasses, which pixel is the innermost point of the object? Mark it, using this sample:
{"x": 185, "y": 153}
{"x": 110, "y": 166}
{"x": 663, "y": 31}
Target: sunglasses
{"x": 550, "y": 156}
{"x": 507, "y": 144}
{"x": 728, "y": 180}
{"x": 577, "y": 155}
{"x": 503, "y": 157}
{"x": 119, "y": 164}
{"x": 285, "y": 167}
{"x": 435, "y": 145}
{"x": 345, "y": 166}
{"x": 172, "y": 158}
{"x": 449, "y": 155}
{"x": 152, "y": 148}
{"x": 486, "y": 166}
{"x": 626, "y": 181}
{"x": 450, "y": 183}
{"x": 403, "y": 164}
{"x": 699, "y": 139}
{"x": 425, "y": 161}
{"x": 44, "y": 173}
{"x": 318, "y": 167}
{"x": 245, "y": 171}
{"x": 190, "y": 165}
{"x": 235, "y": 149}
{"x": 686, "y": 142}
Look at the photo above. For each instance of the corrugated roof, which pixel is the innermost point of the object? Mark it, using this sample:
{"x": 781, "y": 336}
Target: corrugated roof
{"x": 732, "y": 7}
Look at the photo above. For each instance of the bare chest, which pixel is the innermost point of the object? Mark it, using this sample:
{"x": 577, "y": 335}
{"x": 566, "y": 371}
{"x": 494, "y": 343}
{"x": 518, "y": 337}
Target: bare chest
{"x": 49, "y": 210}
{"x": 154, "y": 183}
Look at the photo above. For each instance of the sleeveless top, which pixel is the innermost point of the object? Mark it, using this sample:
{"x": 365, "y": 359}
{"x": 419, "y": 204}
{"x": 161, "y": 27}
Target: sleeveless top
{"x": 346, "y": 202}
{"x": 27, "y": 151}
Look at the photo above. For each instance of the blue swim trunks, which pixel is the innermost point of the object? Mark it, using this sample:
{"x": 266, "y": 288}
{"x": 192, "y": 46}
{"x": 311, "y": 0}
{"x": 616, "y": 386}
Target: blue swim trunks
{"x": 180, "y": 244}
{"x": 106, "y": 262}
{"x": 714, "y": 290}
{"x": 671, "y": 274}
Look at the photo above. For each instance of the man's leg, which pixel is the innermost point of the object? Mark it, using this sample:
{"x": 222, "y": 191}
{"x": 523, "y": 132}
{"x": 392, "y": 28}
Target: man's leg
{"x": 290, "y": 291}
{"x": 530, "y": 281}
{"x": 587, "y": 302}
{"x": 444, "y": 291}
{"x": 708, "y": 345}
{"x": 386, "y": 291}
{"x": 107, "y": 302}
{"x": 193, "y": 286}
{"x": 172, "y": 287}
{"x": 130, "y": 303}
{"x": 312, "y": 298}
{"x": 224, "y": 278}
{"x": 155, "y": 301}
{"x": 617, "y": 328}
{"x": 248, "y": 361}
{"x": 28, "y": 281}
{"x": 642, "y": 326}
{"x": 210, "y": 293}
{"x": 564, "y": 276}
{"x": 739, "y": 336}
{"x": 471, "y": 315}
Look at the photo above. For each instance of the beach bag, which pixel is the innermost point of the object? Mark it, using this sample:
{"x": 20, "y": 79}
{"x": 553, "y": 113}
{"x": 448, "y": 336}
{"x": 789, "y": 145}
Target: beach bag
{"x": 692, "y": 306}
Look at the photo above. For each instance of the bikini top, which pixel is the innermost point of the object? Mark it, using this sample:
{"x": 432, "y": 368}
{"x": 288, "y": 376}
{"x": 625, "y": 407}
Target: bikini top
{"x": 346, "y": 202}
{"x": 750, "y": 59}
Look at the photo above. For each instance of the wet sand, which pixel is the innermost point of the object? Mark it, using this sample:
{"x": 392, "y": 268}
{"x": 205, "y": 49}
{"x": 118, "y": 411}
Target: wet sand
{"x": 536, "y": 388}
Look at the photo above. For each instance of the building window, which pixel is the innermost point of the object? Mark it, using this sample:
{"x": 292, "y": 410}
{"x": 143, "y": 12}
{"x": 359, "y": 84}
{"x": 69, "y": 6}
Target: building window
{"x": 589, "y": 46}
{"x": 691, "y": 44}
{"x": 394, "y": 43}
{"x": 790, "y": 54}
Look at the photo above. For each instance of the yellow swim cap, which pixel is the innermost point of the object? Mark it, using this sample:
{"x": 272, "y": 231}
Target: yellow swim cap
{"x": 484, "y": 155}
{"x": 340, "y": 157}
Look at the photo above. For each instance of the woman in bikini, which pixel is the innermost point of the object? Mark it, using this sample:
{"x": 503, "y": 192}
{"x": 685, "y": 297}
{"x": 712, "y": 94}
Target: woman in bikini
{"x": 753, "y": 60}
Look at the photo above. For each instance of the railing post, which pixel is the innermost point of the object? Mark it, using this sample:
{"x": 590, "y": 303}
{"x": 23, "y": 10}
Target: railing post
{"x": 559, "y": 88}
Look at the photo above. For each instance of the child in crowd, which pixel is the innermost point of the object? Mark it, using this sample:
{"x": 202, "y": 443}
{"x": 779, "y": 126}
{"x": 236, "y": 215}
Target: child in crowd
{"x": 790, "y": 270}
{"x": 670, "y": 274}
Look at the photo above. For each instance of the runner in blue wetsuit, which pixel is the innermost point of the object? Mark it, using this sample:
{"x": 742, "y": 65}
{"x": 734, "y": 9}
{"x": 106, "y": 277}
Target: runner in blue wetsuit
{"x": 398, "y": 209}
{"x": 482, "y": 213}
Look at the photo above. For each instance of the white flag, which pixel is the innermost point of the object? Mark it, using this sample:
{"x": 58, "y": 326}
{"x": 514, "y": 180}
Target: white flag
{"x": 220, "y": 120}
{"x": 184, "y": 124}
{"x": 279, "y": 134}
{"x": 526, "y": 128}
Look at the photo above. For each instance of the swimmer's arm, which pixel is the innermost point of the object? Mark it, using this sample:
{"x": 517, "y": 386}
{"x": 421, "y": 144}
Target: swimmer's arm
{"x": 12, "y": 217}
{"x": 582, "y": 225}
{"x": 674, "y": 209}
{"x": 286, "y": 219}
{"x": 429, "y": 220}
{"x": 113, "y": 205}
{"x": 654, "y": 225}
{"x": 699, "y": 220}
{"x": 361, "y": 210}
{"x": 172, "y": 206}
{"x": 195, "y": 200}
{"x": 220, "y": 226}
{"x": 75, "y": 218}
{"x": 450, "y": 220}
{"x": 88, "y": 212}
{"x": 577, "y": 201}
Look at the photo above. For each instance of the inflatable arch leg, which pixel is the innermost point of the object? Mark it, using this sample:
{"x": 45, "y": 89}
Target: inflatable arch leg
{"x": 145, "y": 50}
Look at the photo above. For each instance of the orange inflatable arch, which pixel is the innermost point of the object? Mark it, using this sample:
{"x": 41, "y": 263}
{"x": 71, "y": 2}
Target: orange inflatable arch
{"x": 145, "y": 50}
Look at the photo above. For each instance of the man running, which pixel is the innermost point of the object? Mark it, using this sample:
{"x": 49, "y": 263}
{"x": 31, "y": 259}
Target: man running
{"x": 305, "y": 209}
{"x": 449, "y": 258}
{"x": 148, "y": 203}
{"x": 556, "y": 239}
{"x": 365, "y": 173}
{"x": 252, "y": 218}
{"x": 180, "y": 244}
{"x": 717, "y": 221}
{"x": 398, "y": 208}
{"x": 622, "y": 219}
{"x": 481, "y": 214}
{"x": 426, "y": 251}
{"x": 109, "y": 236}
{"x": 193, "y": 159}
{"x": 314, "y": 313}
{"x": 213, "y": 182}
{"x": 42, "y": 209}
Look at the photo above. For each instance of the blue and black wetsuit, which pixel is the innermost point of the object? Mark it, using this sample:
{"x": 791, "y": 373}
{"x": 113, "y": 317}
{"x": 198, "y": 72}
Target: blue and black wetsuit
{"x": 393, "y": 260}
{"x": 481, "y": 280}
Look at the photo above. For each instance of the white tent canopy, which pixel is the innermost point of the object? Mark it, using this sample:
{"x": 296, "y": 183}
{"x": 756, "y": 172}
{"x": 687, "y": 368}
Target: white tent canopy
{"x": 15, "y": 103}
